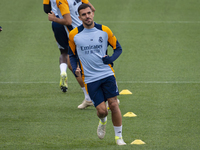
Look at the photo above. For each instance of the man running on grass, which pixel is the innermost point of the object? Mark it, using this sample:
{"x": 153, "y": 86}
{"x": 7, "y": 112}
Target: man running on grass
{"x": 89, "y": 42}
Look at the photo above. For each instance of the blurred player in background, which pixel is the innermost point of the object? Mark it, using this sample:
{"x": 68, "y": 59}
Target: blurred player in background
{"x": 63, "y": 15}
{"x": 89, "y": 42}
{"x": 61, "y": 37}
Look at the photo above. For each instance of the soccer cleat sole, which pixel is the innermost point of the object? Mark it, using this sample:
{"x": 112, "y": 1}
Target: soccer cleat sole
{"x": 64, "y": 89}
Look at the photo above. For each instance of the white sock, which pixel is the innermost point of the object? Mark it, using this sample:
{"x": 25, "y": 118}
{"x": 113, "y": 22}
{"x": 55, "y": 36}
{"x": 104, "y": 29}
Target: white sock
{"x": 63, "y": 67}
{"x": 103, "y": 120}
{"x": 118, "y": 131}
{"x": 87, "y": 97}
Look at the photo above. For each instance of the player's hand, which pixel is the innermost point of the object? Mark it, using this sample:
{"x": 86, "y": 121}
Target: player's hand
{"x": 78, "y": 72}
{"x": 51, "y": 16}
{"x": 107, "y": 59}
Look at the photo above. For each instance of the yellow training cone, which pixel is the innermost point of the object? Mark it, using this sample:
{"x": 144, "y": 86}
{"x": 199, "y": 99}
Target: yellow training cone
{"x": 125, "y": 92}
{"x": 138, "y": 142}
{"x": 129, "y": 114}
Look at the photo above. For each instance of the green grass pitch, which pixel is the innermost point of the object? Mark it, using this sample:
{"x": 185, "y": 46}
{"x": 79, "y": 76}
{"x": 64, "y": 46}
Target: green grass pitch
{"x": 160, "y": 65}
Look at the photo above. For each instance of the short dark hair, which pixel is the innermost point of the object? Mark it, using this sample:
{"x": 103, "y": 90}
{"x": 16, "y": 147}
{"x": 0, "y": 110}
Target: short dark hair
{"x": 83, "y": 6}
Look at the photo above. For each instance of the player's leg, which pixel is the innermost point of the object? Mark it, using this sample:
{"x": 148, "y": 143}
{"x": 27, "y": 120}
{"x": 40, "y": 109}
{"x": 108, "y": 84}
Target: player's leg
{"x": 96, "y": 94}
{"x": 111, "y": 91}
{"x": 87, "y": 101}
{"x": 62, "y": 42}
{"x": 102, "y": 113}
{"x": 115, "y": 111}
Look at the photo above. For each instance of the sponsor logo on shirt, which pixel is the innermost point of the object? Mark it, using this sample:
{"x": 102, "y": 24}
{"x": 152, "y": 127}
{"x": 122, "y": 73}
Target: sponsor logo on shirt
{"x": 89, "y": 47}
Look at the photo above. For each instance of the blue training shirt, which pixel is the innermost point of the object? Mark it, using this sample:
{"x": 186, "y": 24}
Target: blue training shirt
{"x": 90, "y": 45}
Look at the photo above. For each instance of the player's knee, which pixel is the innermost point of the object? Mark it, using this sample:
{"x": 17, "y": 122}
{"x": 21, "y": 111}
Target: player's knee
{"x": 102, "y": 113}
{"x": 113, "y": 106}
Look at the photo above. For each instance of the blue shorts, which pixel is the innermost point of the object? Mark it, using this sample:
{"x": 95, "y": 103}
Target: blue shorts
{"x": 60, "y": 35}
{"x": 103, "y": 89}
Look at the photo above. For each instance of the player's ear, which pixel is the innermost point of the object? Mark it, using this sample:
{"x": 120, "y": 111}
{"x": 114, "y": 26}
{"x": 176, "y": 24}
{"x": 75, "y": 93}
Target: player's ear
{"x": 79, "y": 18}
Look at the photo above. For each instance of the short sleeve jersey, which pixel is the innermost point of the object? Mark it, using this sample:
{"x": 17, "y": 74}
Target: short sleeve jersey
{"x": 91, "y": 45}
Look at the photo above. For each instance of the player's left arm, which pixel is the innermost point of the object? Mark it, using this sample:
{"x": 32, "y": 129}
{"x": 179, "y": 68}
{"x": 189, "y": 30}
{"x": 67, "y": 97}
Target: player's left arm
{"x": 64, "y": 9}
{"x": 46, "y": 6}
{"x": 73, "y": 61}
{"x": 87, "y": 2}
{"x": 113, "y": 42}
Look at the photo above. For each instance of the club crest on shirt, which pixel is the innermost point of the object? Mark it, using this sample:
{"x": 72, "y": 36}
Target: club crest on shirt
{"x": 100, "y": 39}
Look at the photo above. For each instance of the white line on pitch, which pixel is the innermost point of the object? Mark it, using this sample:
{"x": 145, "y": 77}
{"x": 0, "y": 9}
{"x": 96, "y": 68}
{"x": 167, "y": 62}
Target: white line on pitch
{"x": 153, "y": 22}
{"x": 129, "y": 82}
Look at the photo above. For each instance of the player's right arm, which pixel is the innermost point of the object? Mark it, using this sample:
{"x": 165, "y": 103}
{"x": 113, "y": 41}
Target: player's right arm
{"x": 72, "y": 50}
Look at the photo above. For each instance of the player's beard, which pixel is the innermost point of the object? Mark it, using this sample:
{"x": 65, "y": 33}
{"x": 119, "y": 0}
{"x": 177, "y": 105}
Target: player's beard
{"x": 88, "y": 23}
